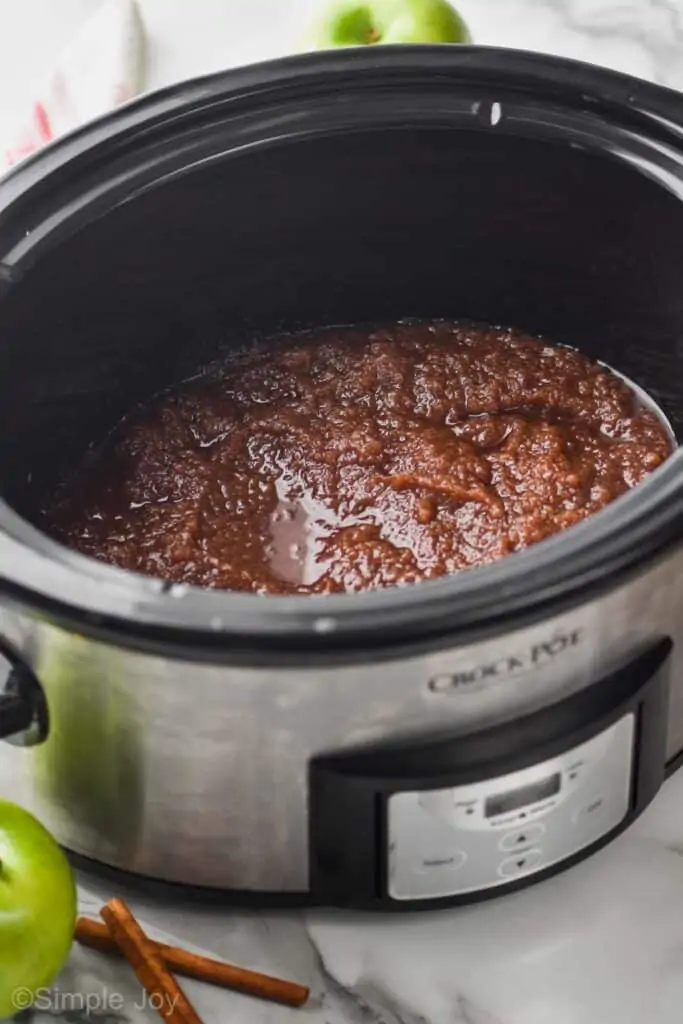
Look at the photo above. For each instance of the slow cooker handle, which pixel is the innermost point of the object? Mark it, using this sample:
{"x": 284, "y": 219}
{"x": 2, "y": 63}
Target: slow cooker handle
{"x": 23, "y": 709}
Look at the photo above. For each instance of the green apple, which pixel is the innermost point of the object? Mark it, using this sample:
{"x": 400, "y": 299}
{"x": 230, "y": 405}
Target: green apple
{"x": 37, "y": 908}
{"x": 364, "y": 22}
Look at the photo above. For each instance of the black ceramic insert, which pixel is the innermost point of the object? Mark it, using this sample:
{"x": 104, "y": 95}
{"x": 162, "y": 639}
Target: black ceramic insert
{"x": 417, "y": 181}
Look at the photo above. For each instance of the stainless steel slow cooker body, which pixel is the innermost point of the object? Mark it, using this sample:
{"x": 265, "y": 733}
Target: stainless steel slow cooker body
{"x": 178, "y": 731}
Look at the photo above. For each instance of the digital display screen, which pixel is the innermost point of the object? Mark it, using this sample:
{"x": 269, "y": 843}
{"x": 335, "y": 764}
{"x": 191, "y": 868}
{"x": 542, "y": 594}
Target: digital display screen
{"x": 502, "y": 803}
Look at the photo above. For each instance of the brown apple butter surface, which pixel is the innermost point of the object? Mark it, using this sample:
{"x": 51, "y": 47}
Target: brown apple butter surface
{"x": 346, "y": 459}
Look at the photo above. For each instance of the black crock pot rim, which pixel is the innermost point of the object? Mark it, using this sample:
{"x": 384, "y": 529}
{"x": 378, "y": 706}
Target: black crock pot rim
{"x": 631, "y": 532}
{"x": 562, "y": 75}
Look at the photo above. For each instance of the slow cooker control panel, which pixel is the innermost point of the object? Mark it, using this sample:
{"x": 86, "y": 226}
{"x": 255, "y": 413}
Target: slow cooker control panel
{"x": 465, "y": 838}
{"x": 450, "y": 819}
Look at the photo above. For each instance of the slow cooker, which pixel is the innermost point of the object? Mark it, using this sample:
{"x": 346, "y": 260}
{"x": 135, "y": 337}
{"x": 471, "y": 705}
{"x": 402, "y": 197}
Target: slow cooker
{"x": 412, "y": 747}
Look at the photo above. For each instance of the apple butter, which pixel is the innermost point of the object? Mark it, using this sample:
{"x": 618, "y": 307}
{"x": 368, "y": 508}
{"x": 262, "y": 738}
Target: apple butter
{"x": 345, "y": 459}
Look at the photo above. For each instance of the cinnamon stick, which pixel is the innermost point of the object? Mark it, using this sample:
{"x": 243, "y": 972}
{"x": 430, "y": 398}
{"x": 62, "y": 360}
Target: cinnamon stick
{"x": 164, "y": 992}
{"x": 94, "y": 935}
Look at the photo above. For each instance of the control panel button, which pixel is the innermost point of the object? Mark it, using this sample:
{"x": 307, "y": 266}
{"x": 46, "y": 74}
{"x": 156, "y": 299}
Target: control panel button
{"x": 521, "y": 838}
{"x": 451, "y": 861}
{"x": 591, "y": 810}
{"x": 520, "y": 864}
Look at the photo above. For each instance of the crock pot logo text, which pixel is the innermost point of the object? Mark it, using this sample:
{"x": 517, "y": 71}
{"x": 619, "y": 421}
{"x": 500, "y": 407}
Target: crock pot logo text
{"x": 538, "y": 655}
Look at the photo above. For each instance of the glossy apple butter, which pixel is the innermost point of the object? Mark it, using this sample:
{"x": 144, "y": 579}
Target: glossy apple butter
{"x": 347, "y": 459}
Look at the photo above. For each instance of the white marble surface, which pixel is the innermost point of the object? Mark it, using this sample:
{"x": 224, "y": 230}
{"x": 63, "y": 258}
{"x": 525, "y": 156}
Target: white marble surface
{"x": 600, "y": 944}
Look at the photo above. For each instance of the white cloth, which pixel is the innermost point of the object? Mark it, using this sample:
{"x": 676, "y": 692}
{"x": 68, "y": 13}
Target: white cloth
{"x": 102, "y": 67}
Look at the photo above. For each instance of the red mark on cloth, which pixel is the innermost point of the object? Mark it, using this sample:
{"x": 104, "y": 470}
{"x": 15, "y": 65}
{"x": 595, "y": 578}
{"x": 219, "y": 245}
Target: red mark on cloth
{"x": 42, "y": 122}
